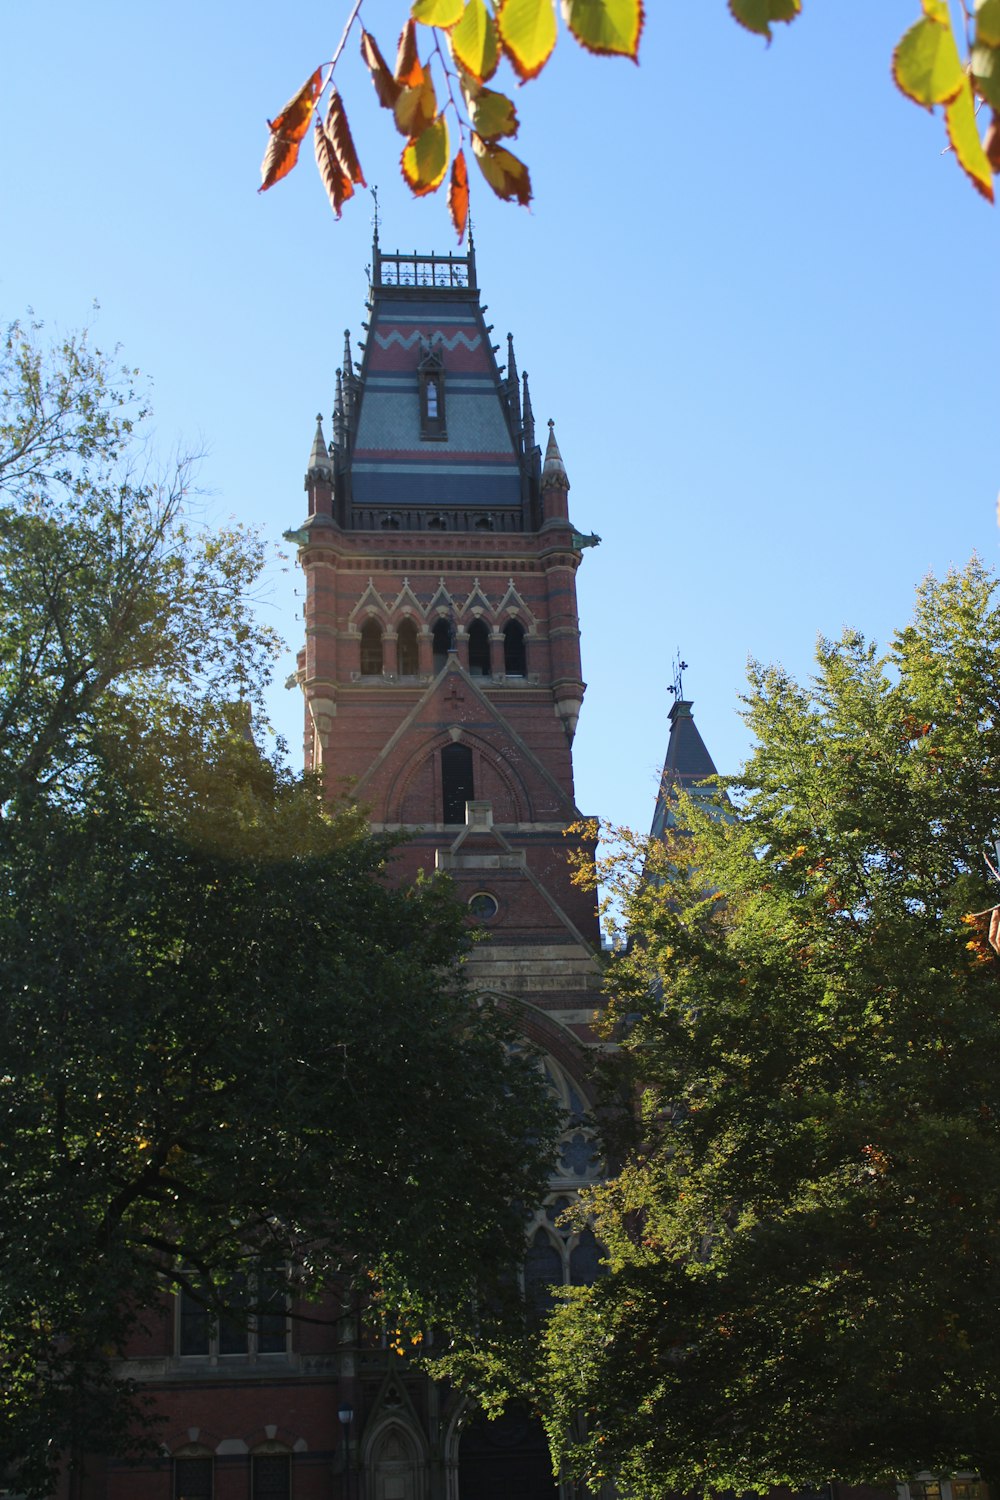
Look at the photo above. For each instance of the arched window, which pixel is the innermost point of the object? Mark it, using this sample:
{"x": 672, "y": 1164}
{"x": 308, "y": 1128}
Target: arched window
{"x": 441, "y": 644}
{"x": 406, "y": 650}
{"x": 585, "y": 1260}
{"x": 193, "y": 1473}
{"x": 479, "y": 650}
{"x": 272, "y": 1474}
{"x": 543, "y": 1269}
{"x": 371, "y": 649}
{"x": 456, "y": 781}
{"x": 515, "y": 662}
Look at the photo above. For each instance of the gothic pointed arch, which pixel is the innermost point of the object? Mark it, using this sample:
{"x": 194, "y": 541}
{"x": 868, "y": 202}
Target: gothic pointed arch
{"x": 499, "y": 780}
{"x": 394, "y": 1452}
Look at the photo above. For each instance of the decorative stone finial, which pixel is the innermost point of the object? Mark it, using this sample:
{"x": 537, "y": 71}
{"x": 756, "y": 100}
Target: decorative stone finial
{"x": 554, "y": 476}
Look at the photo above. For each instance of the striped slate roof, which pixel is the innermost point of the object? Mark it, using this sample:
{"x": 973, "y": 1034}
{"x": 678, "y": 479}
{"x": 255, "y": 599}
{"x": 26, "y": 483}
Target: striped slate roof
{"x": 480, "y": 461}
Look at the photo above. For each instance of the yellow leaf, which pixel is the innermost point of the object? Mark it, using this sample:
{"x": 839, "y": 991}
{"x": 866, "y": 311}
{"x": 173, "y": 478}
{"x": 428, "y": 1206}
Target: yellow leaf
{"x": 926, "y": 64}
{"x": 425, "y": 159}
{"x": 437, "y": 12}
{"x": 473, "y": 41}
{"x": 606, "y": 26}
{"x": 527, "y": 34}
{"x": 960, "y": 120}
{"x": 506, "y": 175}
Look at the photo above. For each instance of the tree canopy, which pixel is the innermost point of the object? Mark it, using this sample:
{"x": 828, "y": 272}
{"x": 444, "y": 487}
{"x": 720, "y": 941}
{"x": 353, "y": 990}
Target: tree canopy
{"x": 804, "y": 1239}
{"x": 223, "y": 1031}
{"x": 450, "y": 51}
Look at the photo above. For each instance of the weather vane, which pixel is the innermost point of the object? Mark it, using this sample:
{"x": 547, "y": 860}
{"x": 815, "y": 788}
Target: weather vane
{"x": 677, "y": 686}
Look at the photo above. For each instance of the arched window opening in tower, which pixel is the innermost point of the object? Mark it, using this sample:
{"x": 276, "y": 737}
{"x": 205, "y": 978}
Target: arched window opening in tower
{"x": 371, "y": 649}
{"x": 440, "y": 644}
{"x": 456, "y": 782}
{"x": 406, "y": 650}
{"x": 479, "y": 650}
{"x": 515, "y": 662}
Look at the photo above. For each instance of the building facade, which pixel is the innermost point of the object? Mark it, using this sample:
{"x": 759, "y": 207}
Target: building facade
{"x": 442, "y": 685}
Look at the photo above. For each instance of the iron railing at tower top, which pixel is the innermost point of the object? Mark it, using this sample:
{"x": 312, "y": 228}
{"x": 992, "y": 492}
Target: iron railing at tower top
{"x": 448, "y": 272}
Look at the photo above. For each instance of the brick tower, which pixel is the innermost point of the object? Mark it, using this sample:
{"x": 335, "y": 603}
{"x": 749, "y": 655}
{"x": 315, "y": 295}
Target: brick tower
{"x": 442, "y": 684}
{"x": 441, "y": 670}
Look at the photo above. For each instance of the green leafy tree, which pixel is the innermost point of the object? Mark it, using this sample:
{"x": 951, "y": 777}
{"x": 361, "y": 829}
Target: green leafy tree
{"x": 222, "y": 1030}
{"x": 804, "y": 1239}
{"x": 937, "y": 64}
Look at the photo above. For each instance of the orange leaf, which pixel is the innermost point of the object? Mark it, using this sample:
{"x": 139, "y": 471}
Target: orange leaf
{"x": 279, "y": 159}
{"x": 293, "y": 121}
{"x": 458, "y": 195}
{"x": 335, "y": 180}
{"x": 386, "y": 87}
{"x": 338, "y": 134}
{"x": 287, "y": 130}
{"x": 408, "y": 69}
{"x": 506, "y": 175}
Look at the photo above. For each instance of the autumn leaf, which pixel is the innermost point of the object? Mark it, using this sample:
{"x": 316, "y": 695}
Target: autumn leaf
{"x": 458, "y": 195}
{"x": 606, "y": 26}
{"x": 408, "y": 72}
{"x": 425, "y": 160}
{"x": 926, "y": 64}
{"x": 988, "y": 22}
{"x": 986, "y": 73}
{"x": 336, "y": 181}
{"x": 506, "y": 175}
{"x": 474, "y": 43}
{"x": 492, "y": 114}
{"x": 416, "y": 107}
{"x": 991, "y": 142}
{"x": 437, "y": 12}
{"x": 528, "y": 34}
{"x": 386, "y": 87}
{"x": 293, "y": 121}
{"x": 339, "y": 135}
{"x": 758, "y": 15}
{"x": 287, "y": 130}
{"x": 963, "y": 133}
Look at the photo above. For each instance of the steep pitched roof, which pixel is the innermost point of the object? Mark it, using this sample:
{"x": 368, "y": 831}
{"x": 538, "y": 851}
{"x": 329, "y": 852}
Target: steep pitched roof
{"x": 425, "y": 317}
{"x": 687, "y": 764}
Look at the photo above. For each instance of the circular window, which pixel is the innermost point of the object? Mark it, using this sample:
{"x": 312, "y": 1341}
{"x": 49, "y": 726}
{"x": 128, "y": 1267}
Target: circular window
{"x": 483, "y": 906}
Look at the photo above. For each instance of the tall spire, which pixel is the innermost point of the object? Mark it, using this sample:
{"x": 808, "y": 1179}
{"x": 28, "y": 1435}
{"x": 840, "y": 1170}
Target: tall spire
{"x": 529, "y": 417}
{"x": 339, "y": 424}
{"x": 513, "y": 384}
{"x": 554, "y": 476}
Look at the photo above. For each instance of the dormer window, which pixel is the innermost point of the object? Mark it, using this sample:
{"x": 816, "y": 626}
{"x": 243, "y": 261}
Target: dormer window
{"x": 430, "y": 372}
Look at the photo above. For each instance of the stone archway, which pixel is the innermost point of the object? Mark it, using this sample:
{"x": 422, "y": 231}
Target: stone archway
{"x": 507, "y": 1459}
{"x": 394, "y": 1468}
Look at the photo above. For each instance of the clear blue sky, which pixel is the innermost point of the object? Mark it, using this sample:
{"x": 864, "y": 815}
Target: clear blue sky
{"x": 756, "y": 298}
